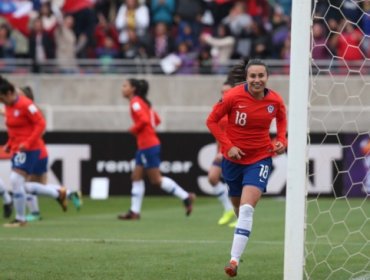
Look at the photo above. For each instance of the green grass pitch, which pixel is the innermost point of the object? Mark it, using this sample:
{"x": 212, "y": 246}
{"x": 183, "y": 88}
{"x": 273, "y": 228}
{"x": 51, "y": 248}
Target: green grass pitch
{"x": 164, "y": 244}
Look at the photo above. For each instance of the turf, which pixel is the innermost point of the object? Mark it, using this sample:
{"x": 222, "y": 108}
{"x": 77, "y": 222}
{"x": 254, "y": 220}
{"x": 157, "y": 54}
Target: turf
{"x": 164, "y": 244}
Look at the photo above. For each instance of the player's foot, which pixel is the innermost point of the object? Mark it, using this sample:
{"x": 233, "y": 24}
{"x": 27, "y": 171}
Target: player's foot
{"x": 233, "y": 224}
{"x": 62, "y": 199}
{"x": 226, "y": 217}
{"x": 32, "y": 217}
{"x": 7, "y": 210}
{"x": 129, "y": 216}
{"x": 76, "y": 199}
{"x": 15, "y": 223}
{"x": 232, "y": 268}
{"x": 188, "y": 203}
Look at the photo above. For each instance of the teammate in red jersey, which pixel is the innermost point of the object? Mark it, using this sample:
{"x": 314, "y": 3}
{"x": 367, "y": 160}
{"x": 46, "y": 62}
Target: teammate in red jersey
{"x": 247, "y": 147}
{"x": 147, "y": 157}
{"x": 25, "y": 126}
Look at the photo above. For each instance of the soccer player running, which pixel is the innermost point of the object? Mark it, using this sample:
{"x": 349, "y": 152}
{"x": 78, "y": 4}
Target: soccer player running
{"x": 25, "y": 126}
{"x": 247, "y": 147}
{"x": 147, "y": 158}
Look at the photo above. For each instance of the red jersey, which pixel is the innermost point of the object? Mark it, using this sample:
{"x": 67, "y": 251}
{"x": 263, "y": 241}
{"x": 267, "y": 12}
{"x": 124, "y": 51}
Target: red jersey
{"x": 249, "y": 121}
{"x": 222, "y": 124}
{"x": 145, "y": 120}
{"x": 25, "y": 125}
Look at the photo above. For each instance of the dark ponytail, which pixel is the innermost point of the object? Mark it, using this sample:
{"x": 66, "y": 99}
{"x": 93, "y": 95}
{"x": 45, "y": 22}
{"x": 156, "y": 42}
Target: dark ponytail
{"x": 142, "y": 91}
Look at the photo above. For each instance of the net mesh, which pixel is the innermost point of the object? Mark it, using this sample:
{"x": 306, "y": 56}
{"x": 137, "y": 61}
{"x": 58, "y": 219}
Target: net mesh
{"x": 337, "y": 243}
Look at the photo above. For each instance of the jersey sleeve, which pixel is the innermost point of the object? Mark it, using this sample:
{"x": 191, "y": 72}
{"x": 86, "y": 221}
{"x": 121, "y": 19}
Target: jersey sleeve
{"x": 281, "y": 124}
{"x": 38, "y": 121}
{"x": 219, "y": 110}
{"x": 140, "y": 117}
{"x": 157, "y": 119}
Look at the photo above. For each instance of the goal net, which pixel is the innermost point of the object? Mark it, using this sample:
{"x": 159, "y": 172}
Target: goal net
{"x": 337, "y": 228}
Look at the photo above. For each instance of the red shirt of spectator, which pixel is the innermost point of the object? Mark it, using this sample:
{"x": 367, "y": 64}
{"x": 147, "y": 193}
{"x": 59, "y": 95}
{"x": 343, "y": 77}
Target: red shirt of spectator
{"x": 72, "y": 6}
{"x": 348, "y": 44}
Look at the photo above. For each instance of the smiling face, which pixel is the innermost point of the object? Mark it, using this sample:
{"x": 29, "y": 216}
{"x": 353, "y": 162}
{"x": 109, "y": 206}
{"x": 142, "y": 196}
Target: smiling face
{"x": 256, "y": 79}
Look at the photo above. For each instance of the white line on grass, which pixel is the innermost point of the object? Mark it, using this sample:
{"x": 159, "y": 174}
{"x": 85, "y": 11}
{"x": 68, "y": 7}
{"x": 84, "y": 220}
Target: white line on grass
{"x": 93, "y": 240}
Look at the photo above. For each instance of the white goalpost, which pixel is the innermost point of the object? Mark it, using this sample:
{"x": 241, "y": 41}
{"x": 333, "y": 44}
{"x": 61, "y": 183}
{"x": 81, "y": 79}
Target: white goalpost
{"x": 327, "y": 219}
{"x": 297, "y": 139}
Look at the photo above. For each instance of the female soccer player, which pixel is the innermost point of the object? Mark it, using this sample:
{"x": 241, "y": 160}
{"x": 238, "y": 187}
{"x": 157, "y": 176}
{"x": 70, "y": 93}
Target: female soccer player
{"x": 214, "y": 173}
{"x": 247, "y": 147}
{"x": 25, "y": 126}
{"x": 147, "y": 157}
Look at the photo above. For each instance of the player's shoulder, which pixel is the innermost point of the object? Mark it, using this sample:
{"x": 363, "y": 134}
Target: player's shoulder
{"x": 237, "y": 90}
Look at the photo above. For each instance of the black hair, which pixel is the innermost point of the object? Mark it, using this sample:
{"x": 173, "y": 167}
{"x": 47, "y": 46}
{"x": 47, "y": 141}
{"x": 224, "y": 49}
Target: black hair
{"x": 237, "y": 73}
{"x": 256, "y": 61}
{"x": 6, "y": 86}
{"x": 141, "y": 89}
{"x": 28, "y": 92}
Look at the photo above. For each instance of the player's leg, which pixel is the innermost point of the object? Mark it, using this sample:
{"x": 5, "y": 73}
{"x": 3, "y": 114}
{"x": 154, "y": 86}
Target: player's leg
{"x": 254, "y": 183}
{"x": 32, "y": 204}
{"x": 137, "y": 190}
{"x": 7, "y": 200}
{"x": 17, "y": 180}
{"x": 36, "y": 184}
{"x": 220, "y": 191}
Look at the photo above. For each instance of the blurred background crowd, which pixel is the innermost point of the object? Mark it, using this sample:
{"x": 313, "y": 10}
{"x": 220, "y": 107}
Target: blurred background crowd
{"x": 203, "y": 34}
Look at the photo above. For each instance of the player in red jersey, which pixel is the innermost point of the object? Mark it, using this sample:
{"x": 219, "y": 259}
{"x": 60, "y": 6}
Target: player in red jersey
{"x": 247, "y": 147}
{"x": 147, "y": 157}
{"x": 25, "y": 126}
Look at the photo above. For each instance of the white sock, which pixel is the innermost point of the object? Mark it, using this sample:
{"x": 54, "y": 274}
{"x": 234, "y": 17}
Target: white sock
{"x": 19, "y": 195}
{"x": 7, "y": 199}
{"x": 170, "y": 186}
{"x": 41, "y": 189}
{"x": 137, "y": 195}
{"x": 32, "y": 203}
{"x": 242, "y": 231}
{"x": 220, "y": 190}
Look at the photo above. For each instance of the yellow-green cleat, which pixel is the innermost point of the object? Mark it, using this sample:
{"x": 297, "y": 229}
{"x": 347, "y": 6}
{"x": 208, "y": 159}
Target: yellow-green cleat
{"x": 233, "y": 224}
{"x": 226, "y": 217}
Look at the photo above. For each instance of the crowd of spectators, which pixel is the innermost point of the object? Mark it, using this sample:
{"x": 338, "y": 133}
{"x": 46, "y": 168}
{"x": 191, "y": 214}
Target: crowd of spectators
{"x": 204, "y": 34}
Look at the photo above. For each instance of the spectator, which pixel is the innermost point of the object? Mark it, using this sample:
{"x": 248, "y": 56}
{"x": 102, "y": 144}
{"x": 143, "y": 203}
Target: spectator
{"x": 205, "y": 62}
{"x": 190, "y": 12}
{"x": 49, "y": 20}
{"x": 365, "y": 26}
{"x": 261, "y": 41}
{"x": 133, "y": 48}
{"x": 187, "y": 59}
{"x": 220, "y": 9}
{"x": 160, "y": 43}
{"x": 187, "y": 35}
{"x": 41, "y": 45}
{"x": 104, "y": 29}
{"x": 66, "y": 48}
{"x": 7, "y": 43}
{"x": 222, "y": 45}
{"x": 83, "y": 24}
{"x": 108, "y": 8}
{"x": 162, "y": 11}
{"x": 133, "y": 16}
{"x": 280, "y": 31}
{"x": 319, "y": 35}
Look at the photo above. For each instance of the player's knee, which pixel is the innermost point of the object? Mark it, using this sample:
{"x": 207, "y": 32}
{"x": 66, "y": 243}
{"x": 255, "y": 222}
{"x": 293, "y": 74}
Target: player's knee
{"x": 213, "y": 180}
{"x": 246, "y": 211}
{"x": 17, "y": 182}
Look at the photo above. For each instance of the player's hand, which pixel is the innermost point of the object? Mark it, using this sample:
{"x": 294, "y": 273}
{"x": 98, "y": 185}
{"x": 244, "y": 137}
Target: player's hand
{"x": 22, "y": 147}
{"x": 279, "y": 148}
{"x": 235, "y": 153}
{"x": 6, "y": 148}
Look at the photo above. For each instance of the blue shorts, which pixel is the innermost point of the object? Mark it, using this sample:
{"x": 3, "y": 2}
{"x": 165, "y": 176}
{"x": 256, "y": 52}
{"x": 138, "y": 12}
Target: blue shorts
{"x": 239, "y": 175}
{"x": 149, "y": 158}
{"x": 30, "y": 162}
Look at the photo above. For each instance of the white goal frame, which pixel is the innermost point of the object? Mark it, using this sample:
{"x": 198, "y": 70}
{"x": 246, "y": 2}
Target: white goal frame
{"x": 297, "y": 130}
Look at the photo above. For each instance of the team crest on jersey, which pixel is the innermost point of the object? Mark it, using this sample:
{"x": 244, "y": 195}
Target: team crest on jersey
{"x": 16, "y": 113}
{"x": 270, "y": 108}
